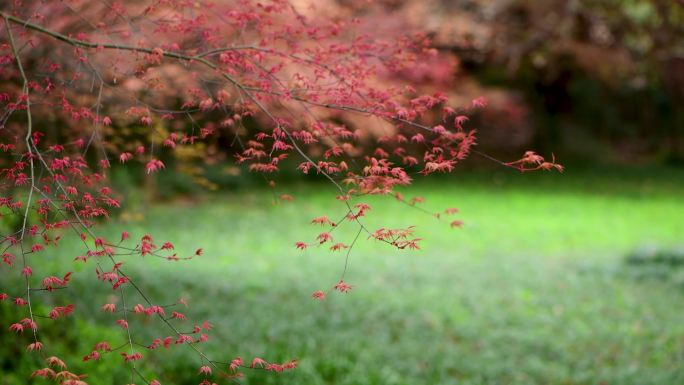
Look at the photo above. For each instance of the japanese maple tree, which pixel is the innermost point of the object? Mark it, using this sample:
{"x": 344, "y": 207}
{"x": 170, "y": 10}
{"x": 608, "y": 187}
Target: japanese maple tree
{"x": 281, "y": 81}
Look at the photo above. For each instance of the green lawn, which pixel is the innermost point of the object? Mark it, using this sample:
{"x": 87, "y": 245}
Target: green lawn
{"x": 532, "y": 289}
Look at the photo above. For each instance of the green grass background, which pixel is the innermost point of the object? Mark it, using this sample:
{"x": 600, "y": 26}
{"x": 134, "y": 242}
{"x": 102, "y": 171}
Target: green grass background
{"x": 532, "y": 289}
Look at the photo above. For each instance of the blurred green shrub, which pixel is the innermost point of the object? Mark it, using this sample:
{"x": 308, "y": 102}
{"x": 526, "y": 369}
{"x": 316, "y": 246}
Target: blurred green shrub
{"x": 656, "y": 263}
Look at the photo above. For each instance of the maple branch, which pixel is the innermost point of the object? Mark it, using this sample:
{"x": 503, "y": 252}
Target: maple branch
{"x": 29, "y": 199}
{"x": 76, "y": 42}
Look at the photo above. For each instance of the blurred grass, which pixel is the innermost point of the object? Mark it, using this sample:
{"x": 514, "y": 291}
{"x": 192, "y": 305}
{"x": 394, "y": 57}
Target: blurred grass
{"x": 529, "y": 291}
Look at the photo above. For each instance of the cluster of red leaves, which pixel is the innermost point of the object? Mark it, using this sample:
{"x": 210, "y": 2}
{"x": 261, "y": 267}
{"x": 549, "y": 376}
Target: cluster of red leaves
{"x": 304, "y": 79}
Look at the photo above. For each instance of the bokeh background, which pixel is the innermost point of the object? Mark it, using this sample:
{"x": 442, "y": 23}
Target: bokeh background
{"x": 575, "y": 278}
